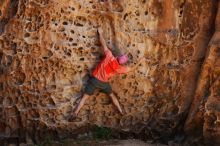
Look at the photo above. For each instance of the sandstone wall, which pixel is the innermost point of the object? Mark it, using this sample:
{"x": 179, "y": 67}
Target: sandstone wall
{"x": 204, "y": 112}
{"x": 49, "y": 48}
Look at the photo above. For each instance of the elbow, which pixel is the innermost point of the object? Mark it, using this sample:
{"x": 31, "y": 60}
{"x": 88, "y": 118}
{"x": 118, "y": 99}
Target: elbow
{"x": 128, "y": 70}
{"x": 105, "y": 48}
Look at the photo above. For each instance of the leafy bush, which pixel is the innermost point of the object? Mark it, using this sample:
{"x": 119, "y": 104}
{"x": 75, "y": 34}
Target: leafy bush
{"x": 102, "y": 133}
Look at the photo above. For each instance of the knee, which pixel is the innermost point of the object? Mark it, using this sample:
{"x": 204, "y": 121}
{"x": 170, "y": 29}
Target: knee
{"x": 113, "y": 97}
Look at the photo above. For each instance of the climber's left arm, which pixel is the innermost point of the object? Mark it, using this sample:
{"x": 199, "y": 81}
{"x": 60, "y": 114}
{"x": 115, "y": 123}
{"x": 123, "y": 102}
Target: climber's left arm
{"x": 102, "y": 40}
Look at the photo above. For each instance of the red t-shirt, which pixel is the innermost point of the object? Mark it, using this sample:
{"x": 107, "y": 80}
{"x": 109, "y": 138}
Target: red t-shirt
{"x": 108, "y": 67}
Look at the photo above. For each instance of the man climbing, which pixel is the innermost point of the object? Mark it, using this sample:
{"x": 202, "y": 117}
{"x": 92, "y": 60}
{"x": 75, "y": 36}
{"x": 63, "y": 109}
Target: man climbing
{"x": 108, "y": 67}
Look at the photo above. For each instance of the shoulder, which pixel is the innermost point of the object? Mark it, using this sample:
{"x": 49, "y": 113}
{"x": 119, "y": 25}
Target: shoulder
{"x": 109, "y": 56}
{"x": 107, "y": 52}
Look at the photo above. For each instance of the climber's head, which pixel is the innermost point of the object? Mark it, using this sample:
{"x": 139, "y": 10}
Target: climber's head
{"x": 122, "y": 59}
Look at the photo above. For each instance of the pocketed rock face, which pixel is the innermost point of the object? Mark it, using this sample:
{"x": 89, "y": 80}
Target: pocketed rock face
{"x": 49, "y": 47}
{"x": 8, "y": 9}
{"x": 204, "y": 112}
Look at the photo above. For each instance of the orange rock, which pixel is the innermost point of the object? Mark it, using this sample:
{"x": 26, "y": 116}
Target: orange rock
{"x": 49, "y": 47}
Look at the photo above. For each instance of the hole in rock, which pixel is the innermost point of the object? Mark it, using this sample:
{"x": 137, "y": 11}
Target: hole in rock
{"x": 1, "y": 99}
{"x": 34, "y": 114}
{"x": 124, "y": 76}
{"x": 18, "y": 93}
{"x": 20, "y": 78}
{"x": 146, "y": 13}
{"x": 72, "y": 31}
{"x": 82, "y": 59}
{"x": 34, "y": 80}
{"x": 57, "y": 48}
{"x": 181, "y": 13}
{"x": 78, "y": 24}
{"x": 1, "y": 54}
{"x": 125, "y": 16}
{"x": 69, "y": 54}
{"x": 62, "y": 29}
{"x": 70, "y": 39}
{"x": 26, "y": 35}
{"x": 137, "y": 13}
{"x": 53, "y": 87}
{"x": 130, "y": 56}
{"x": 50, "y": 102}
{"x": 73, "y": 9}
{"x": 79, "y": 6}
{"x": 62, "y": 11}
{"x": 80, "y": 21}
{"x": 217, "y": 50}
{"x": 65, "y": 23}
{"x": 74, "y": 44}
{"x": 1, "y": 86}
{"x": 36, "y": 38}
{"x": 39, "y": 19}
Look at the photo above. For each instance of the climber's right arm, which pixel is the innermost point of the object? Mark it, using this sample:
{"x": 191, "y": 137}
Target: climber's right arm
{"x": 130, "y": 69}
{"x": 103, "y": 43}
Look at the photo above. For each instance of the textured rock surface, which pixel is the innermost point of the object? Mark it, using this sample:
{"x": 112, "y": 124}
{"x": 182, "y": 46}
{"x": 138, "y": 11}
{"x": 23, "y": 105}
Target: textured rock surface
{"x": 204, "y": 112}
{"x": 49, "y": 47}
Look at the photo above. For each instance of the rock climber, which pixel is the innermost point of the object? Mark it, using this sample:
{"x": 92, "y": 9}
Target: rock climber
{"x": 108, "y": 67}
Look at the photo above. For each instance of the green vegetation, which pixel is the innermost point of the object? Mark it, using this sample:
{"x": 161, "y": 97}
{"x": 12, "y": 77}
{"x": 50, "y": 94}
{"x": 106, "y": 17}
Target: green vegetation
{"x": 96, "y": 134}
{"x": 102, "y": 133}
{"x": 46, "y": 142}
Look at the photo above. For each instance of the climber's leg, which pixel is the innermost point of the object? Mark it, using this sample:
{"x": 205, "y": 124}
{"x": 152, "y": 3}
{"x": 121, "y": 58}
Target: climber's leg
{"x": 115, "y": 102}
{"x": 73, "y": 117}
{"x": 106, "y": 88}
{"x": 81, "y": 103}
{"x": 89, "y": 90}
